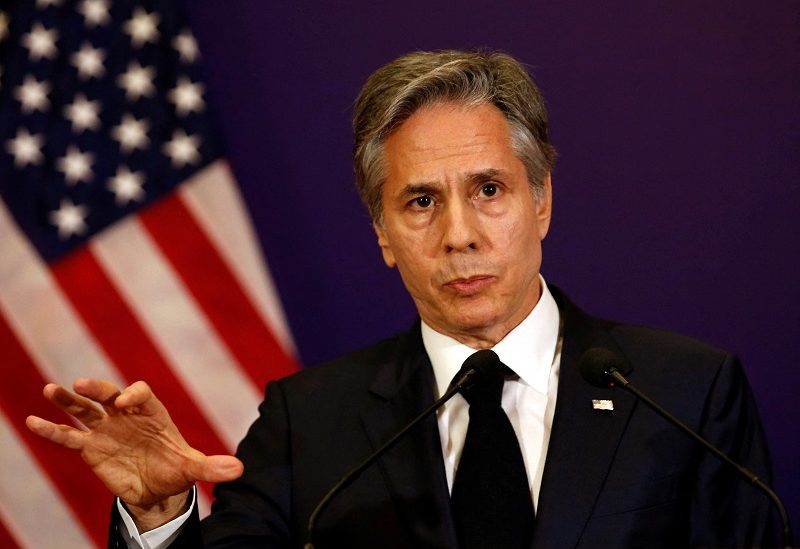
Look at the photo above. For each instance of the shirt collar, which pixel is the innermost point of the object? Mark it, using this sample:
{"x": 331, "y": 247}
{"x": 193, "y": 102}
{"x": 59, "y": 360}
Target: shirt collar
{"x": 528, "y": 349}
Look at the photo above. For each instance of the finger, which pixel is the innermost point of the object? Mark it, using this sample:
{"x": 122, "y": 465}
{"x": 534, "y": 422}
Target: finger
{"x": 99, "y": 390}
{"x": 63, "y": 435}
{"x": 82, "y": 409}
{"x": 140, "y": 396}
{"x": 217, "y": 468}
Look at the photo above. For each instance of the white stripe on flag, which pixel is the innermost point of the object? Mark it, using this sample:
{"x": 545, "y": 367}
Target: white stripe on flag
{"x": 178, "y": 327}
{"x": 213, "y": 198}
{"x": 43, "y": 319}
{"x": 30, "y": 506}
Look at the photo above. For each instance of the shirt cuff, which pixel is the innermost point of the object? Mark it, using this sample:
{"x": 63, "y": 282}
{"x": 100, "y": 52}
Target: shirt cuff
{"x": 158, "y": 538}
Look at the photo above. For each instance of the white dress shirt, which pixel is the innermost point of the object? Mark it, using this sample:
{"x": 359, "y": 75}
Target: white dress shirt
{"x": 532, "y": 350}
{"x": 158, "y": 538}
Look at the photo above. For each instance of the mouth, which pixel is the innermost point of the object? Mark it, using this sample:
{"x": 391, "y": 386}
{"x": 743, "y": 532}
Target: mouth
{"x": 470, "y": 286}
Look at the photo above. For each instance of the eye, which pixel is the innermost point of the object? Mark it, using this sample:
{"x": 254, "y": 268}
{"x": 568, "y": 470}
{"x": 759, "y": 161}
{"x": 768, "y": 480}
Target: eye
{"x": 423, "y": 201}
{"x": 489, "y": 189}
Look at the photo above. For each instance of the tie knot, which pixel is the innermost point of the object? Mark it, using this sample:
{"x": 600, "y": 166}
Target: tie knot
{"x": 489, "y": 392}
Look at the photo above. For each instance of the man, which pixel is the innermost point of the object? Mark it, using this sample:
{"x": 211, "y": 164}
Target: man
{"x": 453, "y": 162}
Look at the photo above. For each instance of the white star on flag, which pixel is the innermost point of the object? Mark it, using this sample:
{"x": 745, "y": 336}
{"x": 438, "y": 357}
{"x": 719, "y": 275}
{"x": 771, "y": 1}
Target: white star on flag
{"x": 40, "y": 42}
{"x": 127, "y": 186}
{"x": 83, "y": 114}
{"x": 76, "y": 166}
{"x": 33, "y": 95}
{"x": 131, "y": 134}
{"x": 26, "y": 148}
{"x": 69, "y": 218}
{"x": 186, "y": 46}
{"x": 182, "y": 149}
{"x": 137, "y": 81}
{"x": 187, "y": 97}
{"x": 89, "y": 61}
{"x": 142, "y": 27}
{"x": 95, "y": 12}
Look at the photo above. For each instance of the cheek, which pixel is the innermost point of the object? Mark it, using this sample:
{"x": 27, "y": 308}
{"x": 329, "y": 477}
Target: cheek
{"x": 514, "y": 234}
{"x": 520, "y": 243}
{"x": 414, "y": 271}
{"x": 418, "y": 272}
{"x": 413, "y": 247}
{"x": 525, "y": 227}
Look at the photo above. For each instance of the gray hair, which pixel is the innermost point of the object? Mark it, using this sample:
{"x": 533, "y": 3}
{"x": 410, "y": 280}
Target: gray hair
{"x": 398, "y": 89}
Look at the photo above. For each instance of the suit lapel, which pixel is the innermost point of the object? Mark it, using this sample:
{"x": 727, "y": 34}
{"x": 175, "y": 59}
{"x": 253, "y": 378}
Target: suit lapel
{"x": 583, "y": 440}
{"x": 414, "y": 469}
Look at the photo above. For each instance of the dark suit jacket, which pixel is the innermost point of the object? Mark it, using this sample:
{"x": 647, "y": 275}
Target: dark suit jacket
{"x": 619, "y": 479}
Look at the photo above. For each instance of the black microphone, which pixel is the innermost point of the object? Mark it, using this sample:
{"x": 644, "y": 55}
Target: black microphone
{"x": 604, "y": 368}
{"x": 478, "y": 367}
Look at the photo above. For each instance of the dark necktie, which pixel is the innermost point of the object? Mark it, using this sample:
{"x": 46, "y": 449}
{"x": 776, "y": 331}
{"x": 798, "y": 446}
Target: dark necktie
{"x": 491, "y": 498}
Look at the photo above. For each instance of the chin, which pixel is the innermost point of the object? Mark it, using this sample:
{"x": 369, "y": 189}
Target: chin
{"x": 476, "y": 321}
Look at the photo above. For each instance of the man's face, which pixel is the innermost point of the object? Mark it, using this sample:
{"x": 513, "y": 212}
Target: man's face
{"x": 460, "y": 222}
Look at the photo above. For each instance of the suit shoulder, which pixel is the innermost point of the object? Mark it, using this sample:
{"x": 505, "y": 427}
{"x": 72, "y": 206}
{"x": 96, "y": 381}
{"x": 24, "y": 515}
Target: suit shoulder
{"x": 354, "y": 369}
{"x": 674, "y": 343}
{"x": 665, "y": 358}
{"x": 650, "y": 347}
{"x": 659, "y": 357}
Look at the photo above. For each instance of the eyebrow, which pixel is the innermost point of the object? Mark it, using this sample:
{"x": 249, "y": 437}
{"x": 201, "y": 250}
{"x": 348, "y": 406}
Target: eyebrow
{"x": 484, "y": 176}
{"x": 415, "y": 189}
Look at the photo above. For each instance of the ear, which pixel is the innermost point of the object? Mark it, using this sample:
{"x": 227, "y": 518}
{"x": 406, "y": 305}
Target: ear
{"x": 386, "y": 249}
{"x": 544, "y": 206}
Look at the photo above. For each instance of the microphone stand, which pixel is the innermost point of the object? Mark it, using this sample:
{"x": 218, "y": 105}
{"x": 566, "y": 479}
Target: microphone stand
{"x": 346, "y": 480}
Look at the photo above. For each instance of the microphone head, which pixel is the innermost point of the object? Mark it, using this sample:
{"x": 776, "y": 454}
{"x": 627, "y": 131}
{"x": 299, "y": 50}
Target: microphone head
{"x": 596, "y": 364}
{"x": 479, "y": 367}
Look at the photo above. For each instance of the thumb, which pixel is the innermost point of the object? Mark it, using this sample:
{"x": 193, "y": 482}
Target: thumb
{"x": 219, "y": 469}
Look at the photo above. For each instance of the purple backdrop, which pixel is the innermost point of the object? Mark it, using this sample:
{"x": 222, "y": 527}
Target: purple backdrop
{"x": 676, "y": 192}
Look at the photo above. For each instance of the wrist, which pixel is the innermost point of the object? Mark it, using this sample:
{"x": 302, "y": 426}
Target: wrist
{"x": 150, "y": 517}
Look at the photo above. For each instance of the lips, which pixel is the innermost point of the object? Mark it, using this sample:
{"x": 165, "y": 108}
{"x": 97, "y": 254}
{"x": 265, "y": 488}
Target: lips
{"x": 471, "y": 285}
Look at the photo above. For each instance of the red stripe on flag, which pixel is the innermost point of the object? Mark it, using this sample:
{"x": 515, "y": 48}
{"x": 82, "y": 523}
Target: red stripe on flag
{"x": 6, "y": 539}
{"x": 125, "y": 341}
{"x": 20, "y": 396}
{"x": 209, "y": 279}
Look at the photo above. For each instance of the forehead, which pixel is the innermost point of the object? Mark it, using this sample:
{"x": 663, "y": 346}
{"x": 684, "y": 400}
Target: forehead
{"x": 446, "y": 140}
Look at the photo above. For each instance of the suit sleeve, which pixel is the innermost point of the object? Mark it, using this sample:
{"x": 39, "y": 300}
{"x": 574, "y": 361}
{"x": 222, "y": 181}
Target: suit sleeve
{"x": 726, "y": 510}
{"x": 254, "y": 510}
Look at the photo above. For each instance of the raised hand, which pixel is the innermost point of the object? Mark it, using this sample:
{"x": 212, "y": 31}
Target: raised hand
{"x": 132, "y": 445}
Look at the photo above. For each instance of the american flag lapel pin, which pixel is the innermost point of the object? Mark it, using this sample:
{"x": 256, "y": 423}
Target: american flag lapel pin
{"x": 603, "y": 404}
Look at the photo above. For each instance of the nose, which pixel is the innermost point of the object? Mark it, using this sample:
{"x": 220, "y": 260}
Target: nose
{"x": 460, "y": 230}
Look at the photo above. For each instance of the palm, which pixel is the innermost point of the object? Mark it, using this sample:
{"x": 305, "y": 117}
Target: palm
{"x": 140, "y": 458}
{"x": 132, "y": 445}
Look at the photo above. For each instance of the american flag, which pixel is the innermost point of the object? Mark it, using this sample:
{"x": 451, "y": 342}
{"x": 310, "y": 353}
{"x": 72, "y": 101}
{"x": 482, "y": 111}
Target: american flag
{"x": 125, "y": 249}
